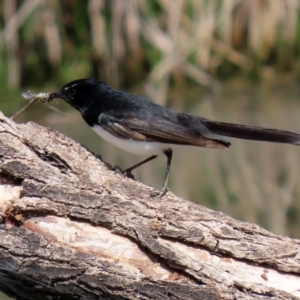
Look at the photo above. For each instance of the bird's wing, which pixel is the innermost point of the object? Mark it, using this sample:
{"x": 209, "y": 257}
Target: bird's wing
{"x": 157, "y": 130}
{"x": 123, "y": 132}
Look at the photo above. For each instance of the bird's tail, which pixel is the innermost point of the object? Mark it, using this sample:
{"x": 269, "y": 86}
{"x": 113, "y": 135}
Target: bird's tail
{"x": 255, "y": 133}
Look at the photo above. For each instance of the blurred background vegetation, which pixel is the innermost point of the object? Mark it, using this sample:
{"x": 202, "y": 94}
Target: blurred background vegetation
{"x": 228, "y": 60}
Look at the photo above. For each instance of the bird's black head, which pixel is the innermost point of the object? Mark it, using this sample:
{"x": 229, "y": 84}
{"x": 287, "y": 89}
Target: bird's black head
{"x": 81, "y": 93}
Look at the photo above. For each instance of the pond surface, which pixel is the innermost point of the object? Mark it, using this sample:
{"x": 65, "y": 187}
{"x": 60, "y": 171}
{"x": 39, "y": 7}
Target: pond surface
{"x": 251, "y": 181}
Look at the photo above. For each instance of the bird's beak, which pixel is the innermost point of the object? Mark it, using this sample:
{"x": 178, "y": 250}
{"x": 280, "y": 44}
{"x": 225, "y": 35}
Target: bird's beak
{"x": 55, "y": 95}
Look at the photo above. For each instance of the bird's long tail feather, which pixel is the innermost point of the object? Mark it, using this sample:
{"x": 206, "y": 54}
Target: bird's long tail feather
{"x": 255, "y": 133}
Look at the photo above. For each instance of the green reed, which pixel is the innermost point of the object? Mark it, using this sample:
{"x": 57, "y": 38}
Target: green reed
{"x": 159, "y": 42}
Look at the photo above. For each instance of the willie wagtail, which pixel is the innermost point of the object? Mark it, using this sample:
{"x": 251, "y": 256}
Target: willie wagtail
{"x": 142, "y": 127}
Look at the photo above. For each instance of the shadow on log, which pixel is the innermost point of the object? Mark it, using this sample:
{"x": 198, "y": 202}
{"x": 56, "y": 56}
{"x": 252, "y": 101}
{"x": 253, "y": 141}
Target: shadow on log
{"x": 72, "y": 228}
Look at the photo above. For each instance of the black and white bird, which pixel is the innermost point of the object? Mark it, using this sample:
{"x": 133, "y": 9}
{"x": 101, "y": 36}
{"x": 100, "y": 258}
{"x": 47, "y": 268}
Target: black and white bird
{"x": 142, "y": 127}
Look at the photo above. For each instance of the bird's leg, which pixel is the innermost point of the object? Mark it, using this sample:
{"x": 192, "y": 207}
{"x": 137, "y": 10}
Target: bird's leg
{"x": 164, "y": 189}
{"x": 127, "y": 171}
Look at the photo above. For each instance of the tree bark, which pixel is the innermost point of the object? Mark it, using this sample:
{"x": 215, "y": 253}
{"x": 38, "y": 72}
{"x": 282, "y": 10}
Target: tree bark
{"x": 74, "y": 228}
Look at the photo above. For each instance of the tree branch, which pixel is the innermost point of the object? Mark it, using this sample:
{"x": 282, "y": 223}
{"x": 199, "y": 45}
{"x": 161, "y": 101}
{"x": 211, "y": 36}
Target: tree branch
{"x": 71, "y": 227}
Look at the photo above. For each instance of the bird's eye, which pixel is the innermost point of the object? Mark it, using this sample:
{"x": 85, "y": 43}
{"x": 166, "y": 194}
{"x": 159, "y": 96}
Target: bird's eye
{"x": 71, "y": 92}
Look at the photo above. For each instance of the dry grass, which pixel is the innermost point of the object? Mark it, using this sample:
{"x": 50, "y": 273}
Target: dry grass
{"x": 158, "y": 41}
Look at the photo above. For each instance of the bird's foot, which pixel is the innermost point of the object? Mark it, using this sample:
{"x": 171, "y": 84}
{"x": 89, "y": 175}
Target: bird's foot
{"x": 160, "y": 192}
{"x": 126, "y": 172}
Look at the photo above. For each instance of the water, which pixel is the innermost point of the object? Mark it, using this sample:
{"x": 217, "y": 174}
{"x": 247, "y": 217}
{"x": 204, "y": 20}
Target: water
{"x": 251, "y": 181}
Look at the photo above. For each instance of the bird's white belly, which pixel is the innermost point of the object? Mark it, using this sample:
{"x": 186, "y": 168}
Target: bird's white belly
{"x": 134, "y": 147}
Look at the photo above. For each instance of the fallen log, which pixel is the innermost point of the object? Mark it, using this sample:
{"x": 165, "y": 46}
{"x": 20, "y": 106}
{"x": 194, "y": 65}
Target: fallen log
{"x": 74, "y": 228}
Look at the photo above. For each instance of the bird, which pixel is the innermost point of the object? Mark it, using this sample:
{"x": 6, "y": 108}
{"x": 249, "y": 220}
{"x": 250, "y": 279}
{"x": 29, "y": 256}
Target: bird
{"x": 145, "y": 128}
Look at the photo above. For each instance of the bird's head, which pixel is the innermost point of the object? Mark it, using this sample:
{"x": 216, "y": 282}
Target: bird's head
{"x": 80, "y": 93}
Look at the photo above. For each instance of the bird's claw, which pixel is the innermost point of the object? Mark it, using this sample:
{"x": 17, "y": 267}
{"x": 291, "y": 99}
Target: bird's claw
{"x": 126, "y": 172}
{"x": 160, "y": 192}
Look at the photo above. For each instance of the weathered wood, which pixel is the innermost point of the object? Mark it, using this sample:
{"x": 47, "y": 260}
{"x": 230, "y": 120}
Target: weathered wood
{"x": 71, "y": 227}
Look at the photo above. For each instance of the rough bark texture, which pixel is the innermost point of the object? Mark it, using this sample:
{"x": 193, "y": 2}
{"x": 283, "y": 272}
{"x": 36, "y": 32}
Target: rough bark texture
{"x": 71, "y": 227}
